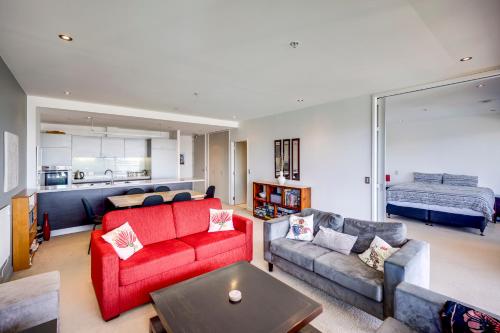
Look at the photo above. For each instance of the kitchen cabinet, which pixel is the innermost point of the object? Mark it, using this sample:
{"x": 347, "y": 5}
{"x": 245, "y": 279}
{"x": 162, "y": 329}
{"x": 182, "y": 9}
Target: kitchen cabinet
{"x": 164, "y": 158}
{"x": 136, "y": 148}
{"x": 55, "y": 140}
{"x": 86, "y": 146}
{"x": 113, "y": 147}
{"x": 56, "y": 156}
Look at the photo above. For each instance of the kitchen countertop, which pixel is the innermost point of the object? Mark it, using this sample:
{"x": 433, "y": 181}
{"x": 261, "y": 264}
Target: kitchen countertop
{"x": 117, "y": 184}
{"x": 104, "y": 179}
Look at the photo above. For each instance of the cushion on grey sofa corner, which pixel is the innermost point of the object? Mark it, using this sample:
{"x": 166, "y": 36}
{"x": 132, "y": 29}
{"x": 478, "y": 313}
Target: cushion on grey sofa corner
{"x": 324, "y": 219}
{"x": 391, "y": 232}
{"x": 428, "y": 178}
{"x": 460, "y": 180}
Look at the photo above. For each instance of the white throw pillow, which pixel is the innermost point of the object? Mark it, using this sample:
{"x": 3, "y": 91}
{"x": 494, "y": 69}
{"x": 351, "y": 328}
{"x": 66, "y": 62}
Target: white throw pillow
{"x": 221, "y": 220}
{"x": 335, "y": 240}
{"x": 124, "y": 241}
{"x": 377, "y": 253}
{"x": 301, "y": 228}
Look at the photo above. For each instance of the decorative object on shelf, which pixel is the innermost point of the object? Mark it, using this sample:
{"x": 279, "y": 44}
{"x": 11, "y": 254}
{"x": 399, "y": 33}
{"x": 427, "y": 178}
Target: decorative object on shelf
{"x": 262, "y": 195}
{"x": 285, "y": 165}
{"x": 46, "y": 226}
{"x": 235, "y": 296}
{"x": 281, "y": 178}
{"x": 277, "y": 158}
{"x": 295, "y": 159}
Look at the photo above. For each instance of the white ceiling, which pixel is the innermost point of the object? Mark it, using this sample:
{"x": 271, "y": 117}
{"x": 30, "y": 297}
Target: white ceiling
{"x": 235, "y": 54}
{"x": 474, "y": 98}
{"x": 70, "y": 117}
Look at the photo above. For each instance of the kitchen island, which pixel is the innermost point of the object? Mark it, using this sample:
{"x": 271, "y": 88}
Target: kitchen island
{"x": 64, "y": 206}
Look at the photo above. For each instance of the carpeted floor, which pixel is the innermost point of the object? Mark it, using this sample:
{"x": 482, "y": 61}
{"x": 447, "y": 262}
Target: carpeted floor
{"x": 463, "y": 265}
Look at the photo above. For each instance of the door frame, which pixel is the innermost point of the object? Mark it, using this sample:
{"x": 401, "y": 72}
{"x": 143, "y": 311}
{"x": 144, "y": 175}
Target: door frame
{"x": 378, "y": 126}
{"x": 232, "y": 172}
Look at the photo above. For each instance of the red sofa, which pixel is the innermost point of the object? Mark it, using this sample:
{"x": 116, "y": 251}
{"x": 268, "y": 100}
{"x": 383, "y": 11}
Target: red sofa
{"x": 177, "y": 246}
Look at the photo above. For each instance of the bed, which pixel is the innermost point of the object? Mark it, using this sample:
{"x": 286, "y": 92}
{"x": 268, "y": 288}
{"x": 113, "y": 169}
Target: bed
{"x": 461, "y": 206}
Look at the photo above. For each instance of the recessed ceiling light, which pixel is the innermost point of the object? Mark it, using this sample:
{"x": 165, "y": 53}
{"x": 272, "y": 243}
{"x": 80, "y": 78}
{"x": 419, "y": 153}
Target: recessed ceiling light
{"x": 493, "y": 110}
{"x": 294, "y": 44}
{"x": 196, "y": 93}
{"x": 466, "y": 59}
{"x": 66, "y": 38}
{"x": 480, "y": 85}
{"x": 300, "y": 100}
{"x": 425, "y": 110}
{"x": 67, "y": 93}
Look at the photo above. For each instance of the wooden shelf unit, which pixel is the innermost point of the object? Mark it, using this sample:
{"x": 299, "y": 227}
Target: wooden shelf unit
{"x": 276, "y": 202}
{"x": 24, "y": 228}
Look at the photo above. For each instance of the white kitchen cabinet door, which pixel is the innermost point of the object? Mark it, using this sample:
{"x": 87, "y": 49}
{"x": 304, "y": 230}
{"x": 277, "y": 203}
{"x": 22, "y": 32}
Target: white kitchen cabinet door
{"x": 86, "y": 146}
{"x": 55, "y": 140}
{"x": 163, "y": 158}
{"x": 56, "y": 156}
{"x": 113, "y": 147}
{"x": 136, "y": 148}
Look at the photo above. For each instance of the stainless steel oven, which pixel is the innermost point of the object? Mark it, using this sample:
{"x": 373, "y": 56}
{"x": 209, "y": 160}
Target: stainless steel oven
{"x": 55, "y": 175}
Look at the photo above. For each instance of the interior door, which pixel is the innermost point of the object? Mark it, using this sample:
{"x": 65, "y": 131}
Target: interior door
{"x": 240, "y": 173}
{"x": 218, "y": 164}
{"x": 199, "y": 164}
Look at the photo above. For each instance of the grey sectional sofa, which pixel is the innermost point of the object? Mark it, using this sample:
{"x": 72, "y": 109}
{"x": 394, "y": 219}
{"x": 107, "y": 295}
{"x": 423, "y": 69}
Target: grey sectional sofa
{"x": 347, "y": 277}
{"x": 418, "y": 310}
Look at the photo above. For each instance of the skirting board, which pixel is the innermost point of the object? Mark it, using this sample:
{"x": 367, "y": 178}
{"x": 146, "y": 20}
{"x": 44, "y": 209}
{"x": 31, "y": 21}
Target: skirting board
{"x": 72, "y": 230}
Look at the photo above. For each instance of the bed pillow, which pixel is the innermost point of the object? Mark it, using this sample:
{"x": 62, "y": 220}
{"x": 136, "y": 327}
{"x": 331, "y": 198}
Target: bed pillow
{"x": 428, "y": 178}
{"x": 334, "y": 240}
{"x": 460, "y": 180}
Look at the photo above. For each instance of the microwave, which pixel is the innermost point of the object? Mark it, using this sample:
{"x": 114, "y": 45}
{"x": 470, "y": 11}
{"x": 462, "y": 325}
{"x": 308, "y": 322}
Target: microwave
{"x": 55, "y": 175}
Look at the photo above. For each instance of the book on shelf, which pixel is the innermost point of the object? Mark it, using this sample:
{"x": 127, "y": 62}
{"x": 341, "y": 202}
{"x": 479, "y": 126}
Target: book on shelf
{"x": 292, "y": 197}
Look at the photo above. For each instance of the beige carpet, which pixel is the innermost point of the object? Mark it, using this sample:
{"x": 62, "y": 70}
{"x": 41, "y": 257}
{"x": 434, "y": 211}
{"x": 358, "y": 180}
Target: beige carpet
{"x": 463, "y": 265}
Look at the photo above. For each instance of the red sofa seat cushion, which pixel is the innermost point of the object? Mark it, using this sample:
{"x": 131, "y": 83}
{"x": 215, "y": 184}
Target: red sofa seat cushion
{"x": 209, "y": 244}
{"x": 155, "y": 259}
{"x": 150, "y": 224}
{"x": 193, "y": 216}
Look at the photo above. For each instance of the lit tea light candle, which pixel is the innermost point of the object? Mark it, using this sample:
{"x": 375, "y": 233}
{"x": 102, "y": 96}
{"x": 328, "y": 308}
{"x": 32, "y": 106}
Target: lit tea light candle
{"x": 235, "y": 296}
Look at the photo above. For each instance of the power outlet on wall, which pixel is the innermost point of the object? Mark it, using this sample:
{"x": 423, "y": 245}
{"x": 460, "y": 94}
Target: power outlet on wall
{"x": 367, "y": 180}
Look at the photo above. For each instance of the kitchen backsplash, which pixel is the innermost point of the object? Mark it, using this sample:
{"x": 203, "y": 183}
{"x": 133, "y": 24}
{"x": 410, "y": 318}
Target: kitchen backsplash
{"x": 97, "y": 166}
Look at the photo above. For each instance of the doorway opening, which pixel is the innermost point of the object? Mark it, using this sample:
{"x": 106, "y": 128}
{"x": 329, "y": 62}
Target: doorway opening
{"x": 240, "y": 174}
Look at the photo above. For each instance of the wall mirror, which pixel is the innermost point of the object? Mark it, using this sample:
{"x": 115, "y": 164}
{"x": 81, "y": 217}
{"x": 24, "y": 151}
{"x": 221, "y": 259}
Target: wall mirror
{"x": 295, "y": 159}
{"x": 277, "y": 158}
{"x": 286, "y": 158}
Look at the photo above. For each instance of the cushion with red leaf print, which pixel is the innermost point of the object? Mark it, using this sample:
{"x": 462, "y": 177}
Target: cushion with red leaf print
{"x": 221, "y": 220}
{"x": 456, "y": 317}
{"x": 124, "y": 241}
{"x": 377, "y": 253}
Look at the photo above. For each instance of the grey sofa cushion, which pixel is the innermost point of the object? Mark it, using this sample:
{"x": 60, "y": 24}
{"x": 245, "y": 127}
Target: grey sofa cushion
{"x": 299, "y": 252}
{"x": 460, "y": 180}
{"x": 391, "y": 325}
{"x": 428, "y": 178}
{"x": 324, "y": 219}
{"x": 392, "y": 233}
{"x": 351, "y": 273}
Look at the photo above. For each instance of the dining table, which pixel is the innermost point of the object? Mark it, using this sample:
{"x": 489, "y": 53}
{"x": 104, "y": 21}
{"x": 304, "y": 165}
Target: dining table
{"x": 131, "y": 200}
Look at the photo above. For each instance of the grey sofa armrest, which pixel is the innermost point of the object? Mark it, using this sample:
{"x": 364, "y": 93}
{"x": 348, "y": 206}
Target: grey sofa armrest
{"x": 274, "y": 229}
{"x": 420, "y": 308}
{"x": 29, "y": 302}
{"x": 410, "y": 264}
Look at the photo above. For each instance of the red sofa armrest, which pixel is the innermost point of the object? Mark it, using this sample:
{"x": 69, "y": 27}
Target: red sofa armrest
{"x": 104, "y": 264}
{"x": 245, "y": 225}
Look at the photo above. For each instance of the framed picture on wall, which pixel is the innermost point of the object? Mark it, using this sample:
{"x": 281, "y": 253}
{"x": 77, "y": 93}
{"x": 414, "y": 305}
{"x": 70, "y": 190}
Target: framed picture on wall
{"x": 277, "y": 158}
{"x": 286, "y": 158}
{"x": 295, "y": 159}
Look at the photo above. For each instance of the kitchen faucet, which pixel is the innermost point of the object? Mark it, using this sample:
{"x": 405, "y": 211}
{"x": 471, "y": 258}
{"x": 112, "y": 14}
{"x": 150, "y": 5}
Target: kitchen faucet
{"x": 112, "y": 177}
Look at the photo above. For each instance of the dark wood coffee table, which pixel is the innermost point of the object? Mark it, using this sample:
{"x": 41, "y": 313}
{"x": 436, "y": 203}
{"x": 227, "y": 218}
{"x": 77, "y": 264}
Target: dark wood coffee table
{"x": 201, "y": 304}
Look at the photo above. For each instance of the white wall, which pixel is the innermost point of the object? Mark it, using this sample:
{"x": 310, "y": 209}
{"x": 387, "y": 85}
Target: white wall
{"x": 463, "y": 144}
{"x": 335, "y": 152}
{"x": 186, "y": 148}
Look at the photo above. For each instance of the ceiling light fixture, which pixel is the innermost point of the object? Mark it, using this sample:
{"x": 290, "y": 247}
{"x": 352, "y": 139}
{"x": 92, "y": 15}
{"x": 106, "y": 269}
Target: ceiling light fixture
{"x": 67, "y": 93}
{"x": 300, "y": 100}
{"x": 66, "y": 38}
{"x": 425, "y": 110}
{"x": 466, "y": 59}
{"x": 294, "y": 44}
{"x": 196, "y": 93}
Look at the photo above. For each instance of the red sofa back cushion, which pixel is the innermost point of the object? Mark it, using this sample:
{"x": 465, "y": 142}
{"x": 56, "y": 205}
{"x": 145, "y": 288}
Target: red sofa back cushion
{"x": 150, "y": 224}
{"x": 193, "y": 216}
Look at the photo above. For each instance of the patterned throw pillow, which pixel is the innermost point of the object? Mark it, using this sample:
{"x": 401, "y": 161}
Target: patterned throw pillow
{"x": 456, "y": 317}
{"x": 377, "y": 253}
{"x": 221, "y": 220}
{"x": 124, "y": 241}
{"x": 301, "y": 228}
